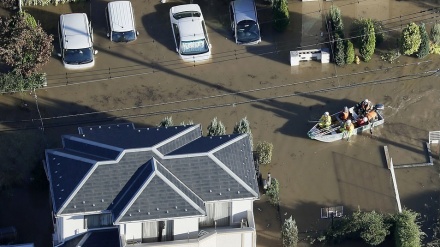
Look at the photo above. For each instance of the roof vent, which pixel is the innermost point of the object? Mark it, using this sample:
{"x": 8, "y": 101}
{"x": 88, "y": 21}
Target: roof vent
{"x": 61, "y": 176}
{"x": 220, "y": 194}
{"x": 129, "y": 215}
{"x": 56, "y": 172}
{"x": 74, "y": 206}
{"x": 58, "y": 185}
{"x": 238, "y": 192}
{"x": 157, "y": 209}
{"x": 175, "y": 127}
{"x": 229, "y": 135}
{"x": 176, "y": 207}
{"x": 93, "y": 204}
{"x": 167, "y": 211}
{"x": 148, "y": 213}
{"x": 210, "y": 191}
{"x": 62, "y": 189}
{"x": 139, "y": 130}
{"x": 109, "y": 127}
{"x": 91, "y": 128}
{"x": 186, "y": 210}
{"x": 53, "y": 159}
{"x": 157, "y": 129}
{"x": 99, "y": 126}
{"x": 148, "y": 128}
{"x": 84, "y": 135}
{"x": 220, "y": 137}
{"x": 229, "y": 189}
{"x": 84, "y": 202}
{"x": 59, "y": 198}
{"x": 102, "y": 200}
{"x": 58, "y": 164}
{"x": 139, "y": 210}
{"x": 117, "y": 125}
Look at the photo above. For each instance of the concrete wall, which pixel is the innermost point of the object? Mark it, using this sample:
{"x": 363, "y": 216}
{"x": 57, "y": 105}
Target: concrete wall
{"x": 71, "y": 225}
{"x": 239, "y": 210}
{"x": 186, "y": 228}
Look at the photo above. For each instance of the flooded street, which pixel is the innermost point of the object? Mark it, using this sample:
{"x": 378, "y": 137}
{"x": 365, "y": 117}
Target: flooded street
{"x": 145, "y": 81}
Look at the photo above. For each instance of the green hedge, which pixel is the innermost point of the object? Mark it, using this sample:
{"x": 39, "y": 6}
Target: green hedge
{"x": 47, "y": 2}
{"x": 12, "y": 82}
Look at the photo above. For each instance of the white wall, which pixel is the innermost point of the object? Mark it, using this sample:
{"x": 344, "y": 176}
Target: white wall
{"x": 184, "y": 226}
{"x": 132, "y": 230}
{"x": 239, "y": 209}
{"x": 71, "y": 225}
{"x": 230, "y": 240}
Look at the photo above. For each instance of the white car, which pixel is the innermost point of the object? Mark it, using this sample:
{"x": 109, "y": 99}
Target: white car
{"x": 189, "y": 32}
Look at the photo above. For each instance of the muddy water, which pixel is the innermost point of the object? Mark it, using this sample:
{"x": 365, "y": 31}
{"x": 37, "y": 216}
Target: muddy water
{"x": 259, "y": 83}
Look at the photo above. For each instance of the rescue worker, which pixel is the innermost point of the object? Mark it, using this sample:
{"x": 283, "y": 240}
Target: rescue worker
{"x": 325, "y": 121}
{"x": 363, "y": 107}
{"x": 345, "y": 114}
{"x": 347, "y": 129}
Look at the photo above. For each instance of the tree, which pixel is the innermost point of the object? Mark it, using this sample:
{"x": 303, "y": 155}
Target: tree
{"x": 289, "y": 233}
{"x": 264, "y": 152}
{"x": 336, "y": 21}
{"x": 273, "y": 192}
{"x": 349, "y": 52}
{"x": 424, "y": 43}
{"x": 410, "y": 41}
{"x": 216, "y": 128}
{"x": 368, "y": 41}
{"x": 407, "y": 230}
{"x": 243, "y": 127}
{"x": 24, "y": 45}
{"x": 357, "y": 27}
{"x": 281, "y": 14}
{"x": 371, "y": 227}
{"x": 339, "y": 50}
{"x": 435, "y": 34}
{"x": 166, "y": 122}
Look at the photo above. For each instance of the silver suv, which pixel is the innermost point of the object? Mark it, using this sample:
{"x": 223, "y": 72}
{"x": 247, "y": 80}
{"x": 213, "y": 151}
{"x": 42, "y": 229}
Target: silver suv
{"x": 244, "y": 22}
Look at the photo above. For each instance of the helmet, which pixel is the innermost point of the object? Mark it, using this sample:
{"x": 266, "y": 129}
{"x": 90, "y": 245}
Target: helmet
{"x": 365, "y": 119}
{"x": 366, "y": 101}
{"x": 326, "y": 113}
{"x": 345, "y": 109}
{"x": 348, "y": 121}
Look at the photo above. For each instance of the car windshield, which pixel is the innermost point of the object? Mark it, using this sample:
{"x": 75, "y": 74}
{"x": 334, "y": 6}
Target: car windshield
{"x": 194, "y": 47}
{"x": 78, "y": 56}
{"x": 123, "y": 36}
{"x": 186, "y": 14}
{"x": 247, "y": 31}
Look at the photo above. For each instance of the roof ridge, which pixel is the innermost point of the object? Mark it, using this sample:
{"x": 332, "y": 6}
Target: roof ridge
{"x": 172, "y": 138}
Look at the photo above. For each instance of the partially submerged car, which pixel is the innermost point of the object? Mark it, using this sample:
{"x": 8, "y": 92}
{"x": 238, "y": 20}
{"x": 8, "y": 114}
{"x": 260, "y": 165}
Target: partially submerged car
{"x": 189, "y": 32}
{"x": 120, "y": 21}
{"x": 244, "y": 22}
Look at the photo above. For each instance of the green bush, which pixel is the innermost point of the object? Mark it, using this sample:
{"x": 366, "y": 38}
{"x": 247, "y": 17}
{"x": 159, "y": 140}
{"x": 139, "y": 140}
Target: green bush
{"x": 349, "y": 52}
{"x": 190, "y": 122}
{"x": 14, "y": 82}
{"x": 243, "y": 127}
{"x": 407, "y": 229}
{"x": 357, "y": 31}
{"x": 371, "y": 226}
{"x": 166, "y": 122}
{"x": 289, "y": 233}
{"x": 410, "y": 41}
{"x": 47, "y": 2}
{"x": 264, "y": 152}
{"x": 368, "y": 41}
{"x": 339, "y": 51}
{"x": 216, "y": 128}
{"x": 281, "y": 14}
{"x": 391, "y": 56}
{"x": 273, "y": 192}
{"x": 435, "y": 34}
{"x": 424, "y": 47}
{"x": 336, "y": 21}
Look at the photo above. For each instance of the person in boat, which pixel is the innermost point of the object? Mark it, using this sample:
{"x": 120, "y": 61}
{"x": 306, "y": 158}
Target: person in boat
{"x": 345, "y": 114}
{"x": 348, "y": 128}
{"x": 325, "y": 121}
{"x": 363, "y": 107}
{"x": 362, "y": 121}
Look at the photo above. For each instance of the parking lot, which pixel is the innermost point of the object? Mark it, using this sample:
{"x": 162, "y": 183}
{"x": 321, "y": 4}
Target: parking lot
{"x": 145, "y": 81}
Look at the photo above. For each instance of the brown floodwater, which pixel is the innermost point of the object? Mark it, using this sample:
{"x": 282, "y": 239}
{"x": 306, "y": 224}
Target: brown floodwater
{"x": 145, "y": 81}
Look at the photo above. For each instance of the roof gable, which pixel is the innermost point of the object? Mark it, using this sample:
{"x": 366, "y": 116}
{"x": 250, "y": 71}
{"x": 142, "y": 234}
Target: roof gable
{"x": 203, "y": 144}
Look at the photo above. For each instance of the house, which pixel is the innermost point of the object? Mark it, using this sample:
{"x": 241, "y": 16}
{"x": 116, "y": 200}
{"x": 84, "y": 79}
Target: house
{"x": 116, "y": 185}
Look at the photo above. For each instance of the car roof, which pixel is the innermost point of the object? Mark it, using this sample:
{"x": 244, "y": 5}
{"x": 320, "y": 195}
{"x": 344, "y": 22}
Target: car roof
{"x": 185, "y": 7}
{"x": 76, "y": 31}
{"x": 191, "y": 29}
{"x": 121, "y": 16}
{"x": 244, "y": 10}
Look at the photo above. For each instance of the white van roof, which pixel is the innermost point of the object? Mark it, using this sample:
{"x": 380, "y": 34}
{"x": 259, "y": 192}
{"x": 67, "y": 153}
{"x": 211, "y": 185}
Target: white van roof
{"x": 121, "y": 16}
{"x": 76, "y": 33}
{"x": 244, "y": 10}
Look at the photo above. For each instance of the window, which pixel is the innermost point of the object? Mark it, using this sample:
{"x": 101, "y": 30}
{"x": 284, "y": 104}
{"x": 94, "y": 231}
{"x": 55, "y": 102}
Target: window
{"x": 97, "y": 220}
{"x": 217, "y": 214}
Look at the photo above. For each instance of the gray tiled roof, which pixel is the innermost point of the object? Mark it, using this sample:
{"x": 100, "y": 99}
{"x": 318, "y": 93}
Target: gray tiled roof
{"x": 124, "y": 184}
{"x": 95, "y": 238}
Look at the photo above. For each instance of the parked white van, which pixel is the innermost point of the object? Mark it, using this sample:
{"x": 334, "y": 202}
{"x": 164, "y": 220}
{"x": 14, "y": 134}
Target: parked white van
{"x": 244, "y": 22}
{"x": 120, "y": 21}
{"x": 76, "y": 41}
{"x": 189, "y": 32}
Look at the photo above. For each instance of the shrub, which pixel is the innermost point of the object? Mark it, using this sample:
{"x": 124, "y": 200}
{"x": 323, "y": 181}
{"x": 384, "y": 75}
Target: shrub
{"x": 368, "y": 41}
{"x": 24, "y": 46}
{"x": 243, "y": 127}
{"x": 339, "y": 51}
{"x": 264, "y": 151}
{"x": 47, "y": 2}
{"x": 358, "y": 27}
{"x": 435, "y": 34}
{"x": 13, "y": 82}
{"x": 391, "y": 56}
{"x": 166, "y": 122}
{"x": 336, "y": 21}
{"x": 273, "y": 192}
{"x": 424, "y": 47}
{"x": 349, "y": 52}
{"x": 289, "y": 233}
{"x": 190, "y": 122}
{"x": 9, "y": 4}
{"x": 216, "y": 128}
{"x": 371, "y": 226}
{"x": 407, "y": 230}
{"x": 281, "y": 14}
{"x": 410, "y": 41}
